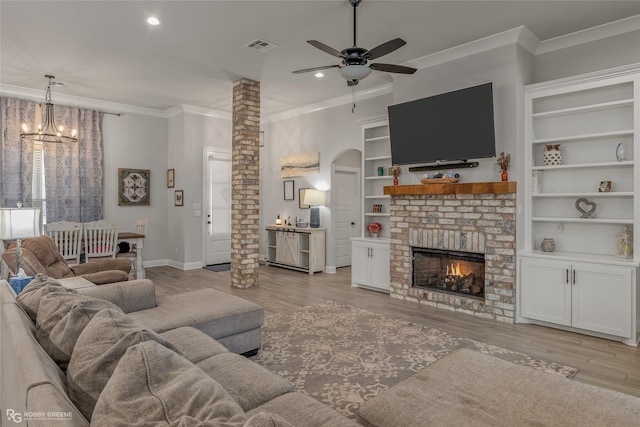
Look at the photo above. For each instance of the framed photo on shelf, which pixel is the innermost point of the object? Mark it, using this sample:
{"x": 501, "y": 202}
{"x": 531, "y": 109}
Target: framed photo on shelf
{"x": 300, "y": 197}
{"x": 171, "y": 178}
{"x": 289, "y": 190}
{"x": 605, "y": 187}
{"x": 178, "y": 198}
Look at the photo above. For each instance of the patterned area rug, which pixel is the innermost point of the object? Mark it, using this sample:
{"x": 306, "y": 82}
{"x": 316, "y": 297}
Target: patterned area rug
{"x": 343, "y": 355}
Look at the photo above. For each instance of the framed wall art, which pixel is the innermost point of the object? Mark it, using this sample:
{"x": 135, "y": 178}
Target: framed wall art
{"x": 301, "y": 197}
{"x": 171, "y": 178}
{"x": 134, "y": 187}
{"x": 178, "y": 198}
{"x": 300, "y": 165}
{"x": 288, "y": 190}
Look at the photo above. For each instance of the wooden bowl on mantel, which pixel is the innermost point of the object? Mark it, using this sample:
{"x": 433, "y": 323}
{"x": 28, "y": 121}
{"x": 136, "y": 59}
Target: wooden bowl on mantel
{"x": 439, "y": 180}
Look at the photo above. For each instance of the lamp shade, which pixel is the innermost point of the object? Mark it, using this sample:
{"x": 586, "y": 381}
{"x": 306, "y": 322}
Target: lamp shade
{"x": 313, "y": 197}
{"x": 19, "y": 223}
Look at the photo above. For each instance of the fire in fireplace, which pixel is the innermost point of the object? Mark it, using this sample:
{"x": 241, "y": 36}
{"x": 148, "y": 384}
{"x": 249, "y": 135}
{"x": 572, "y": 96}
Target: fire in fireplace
{"x": 448, "y": 271}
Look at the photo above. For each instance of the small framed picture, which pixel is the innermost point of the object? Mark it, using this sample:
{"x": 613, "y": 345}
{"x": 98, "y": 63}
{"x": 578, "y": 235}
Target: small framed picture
{"x": 605, "y": 187}
{"x": 289, "y": 190}
{"x": 178, "y": 198}
{"x": 171, "y": 178}
{"x": 300, "y": 198}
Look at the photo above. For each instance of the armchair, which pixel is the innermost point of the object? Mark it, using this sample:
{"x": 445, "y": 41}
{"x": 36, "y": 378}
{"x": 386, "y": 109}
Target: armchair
{"x": 41, "y": 255}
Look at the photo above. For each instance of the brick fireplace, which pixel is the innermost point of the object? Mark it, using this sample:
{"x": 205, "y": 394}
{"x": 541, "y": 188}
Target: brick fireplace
{"x": 478, "y": 218}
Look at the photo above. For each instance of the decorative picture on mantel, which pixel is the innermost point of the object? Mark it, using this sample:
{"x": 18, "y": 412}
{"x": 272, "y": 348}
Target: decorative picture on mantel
{"x": 134, "y": 187}
{"x": 300, "y": 165}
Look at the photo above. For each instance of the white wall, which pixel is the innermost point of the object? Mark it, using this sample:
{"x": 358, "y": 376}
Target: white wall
{"x": 189, "y": 135}
{"x": 138, "y": 142}
{"x": 330, "y": 132}
{"x": 598, "y": 55}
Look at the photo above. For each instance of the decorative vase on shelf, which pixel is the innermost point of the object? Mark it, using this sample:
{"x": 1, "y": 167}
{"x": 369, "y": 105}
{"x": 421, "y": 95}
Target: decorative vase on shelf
{"x": 548, "y": 245}
{"x": 624, "y": 243}
{"x": 395, "y": 180}
{"x": 621, "y": 152}
{"x": 552, "y": 155}
{"x": 374, "y": 234}
{"x": 504, "y": 176}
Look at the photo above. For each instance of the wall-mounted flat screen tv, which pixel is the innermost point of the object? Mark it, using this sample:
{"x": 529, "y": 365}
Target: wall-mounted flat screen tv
{"x": 442, "y": 128}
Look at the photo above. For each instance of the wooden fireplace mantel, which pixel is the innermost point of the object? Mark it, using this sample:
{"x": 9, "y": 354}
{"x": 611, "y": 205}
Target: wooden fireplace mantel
{"x": 447, "y": 188}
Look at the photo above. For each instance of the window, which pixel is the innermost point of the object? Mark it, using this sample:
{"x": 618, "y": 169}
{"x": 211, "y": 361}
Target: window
{"x": 38, "y": 194}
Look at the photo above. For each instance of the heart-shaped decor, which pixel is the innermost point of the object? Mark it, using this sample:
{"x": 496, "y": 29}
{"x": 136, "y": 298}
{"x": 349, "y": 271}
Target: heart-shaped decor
{"x": 585, "y": 207}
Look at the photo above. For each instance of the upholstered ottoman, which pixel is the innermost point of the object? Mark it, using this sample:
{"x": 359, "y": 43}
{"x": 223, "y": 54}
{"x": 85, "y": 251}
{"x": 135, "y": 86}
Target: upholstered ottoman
{"x": 467, "y": 388}
{"x": 234, "y": 322}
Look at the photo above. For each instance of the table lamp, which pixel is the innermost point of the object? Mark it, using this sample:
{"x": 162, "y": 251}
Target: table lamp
{"x": 16, "y": 224}
{"x": 314, "y": 198}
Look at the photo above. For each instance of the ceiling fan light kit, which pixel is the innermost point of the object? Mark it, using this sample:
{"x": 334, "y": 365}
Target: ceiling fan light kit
{"x": 355, "y": 59}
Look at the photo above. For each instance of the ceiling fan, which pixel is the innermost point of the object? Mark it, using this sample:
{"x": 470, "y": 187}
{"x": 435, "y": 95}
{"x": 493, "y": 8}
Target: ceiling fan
{"x": 354, "y": 59}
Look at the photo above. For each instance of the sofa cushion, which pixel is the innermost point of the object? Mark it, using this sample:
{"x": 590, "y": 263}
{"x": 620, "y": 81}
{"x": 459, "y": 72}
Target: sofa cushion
{"x": 229, "y": 315}
{"x": 302, "y": 410}
{"x": 61, "y": 318}
{"x": 98, "y": 350}
{"x": 195, "y": 345}
{"x": 267, "y": 419}
{"x": 29, "y": 298}
{"x": 248, "y": 383}
{"x": 153, "y": 385}
{"x": 108, "y": 276}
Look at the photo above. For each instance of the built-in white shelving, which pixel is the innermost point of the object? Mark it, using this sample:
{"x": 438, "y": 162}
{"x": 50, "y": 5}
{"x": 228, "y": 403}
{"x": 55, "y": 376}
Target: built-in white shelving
{"x": 583, "y": 285}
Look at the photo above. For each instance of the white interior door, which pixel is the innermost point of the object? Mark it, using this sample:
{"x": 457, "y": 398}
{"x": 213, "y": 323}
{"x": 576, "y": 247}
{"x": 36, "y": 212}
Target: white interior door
{"x": 218, "y": 242}
{"x": 346, "y": 209}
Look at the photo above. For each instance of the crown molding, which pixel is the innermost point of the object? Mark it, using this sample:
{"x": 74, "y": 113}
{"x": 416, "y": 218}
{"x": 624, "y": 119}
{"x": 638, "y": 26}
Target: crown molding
{"x": 37, "y": 95}
{"x": 519, "y": 35}
{"x": 624, "y": 70}
{"x": 192, "y": 109}
{"x": 610, "y": 29}
{"x": 329, "y": 103}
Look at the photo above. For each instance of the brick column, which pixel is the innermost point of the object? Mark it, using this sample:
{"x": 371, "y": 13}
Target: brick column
{"x": 245, "y": 184}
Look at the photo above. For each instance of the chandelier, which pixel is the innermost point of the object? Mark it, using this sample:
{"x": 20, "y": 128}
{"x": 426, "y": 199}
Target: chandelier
{"x": 47, "y": 130}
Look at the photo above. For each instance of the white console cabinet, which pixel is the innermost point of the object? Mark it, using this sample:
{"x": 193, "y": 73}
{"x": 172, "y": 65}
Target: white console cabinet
{"x": 370, "y": 263}
{"x": 296, "y": 248}
{"x": 582, "y": 196}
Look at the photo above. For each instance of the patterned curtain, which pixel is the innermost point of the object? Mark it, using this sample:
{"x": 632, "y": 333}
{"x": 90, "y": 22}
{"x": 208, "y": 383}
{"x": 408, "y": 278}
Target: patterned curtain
{"x": 74, "y": 172}
{"x": 16, "y": 158}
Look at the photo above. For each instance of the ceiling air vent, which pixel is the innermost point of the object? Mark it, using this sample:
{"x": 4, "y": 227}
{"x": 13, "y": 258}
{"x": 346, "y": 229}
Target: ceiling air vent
{"x": 261, "y": 45}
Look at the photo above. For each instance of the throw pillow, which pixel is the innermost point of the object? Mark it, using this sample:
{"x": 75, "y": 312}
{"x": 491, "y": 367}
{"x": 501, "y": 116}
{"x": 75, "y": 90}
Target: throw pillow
{"x": 98, "y": 350}
{"x": 153, "y": 385}
{"x": 267, "y": 419}
{"x": 29, "y": 298}
{"x": 61, "y": 318}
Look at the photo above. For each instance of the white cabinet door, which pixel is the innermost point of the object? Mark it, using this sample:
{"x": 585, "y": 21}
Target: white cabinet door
{"x": 545, "y": 290}
{"x": 602, "y": 299}
{"x": 287, "y": 248}
{"x": 380, "y": 274}
{"x": 360, "y": 263}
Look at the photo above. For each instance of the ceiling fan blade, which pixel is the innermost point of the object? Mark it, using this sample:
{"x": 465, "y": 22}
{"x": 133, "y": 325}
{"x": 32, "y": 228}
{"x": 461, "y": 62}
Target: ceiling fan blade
{"x": 308, "y": 70}
{"x": 385, "y": 48}
{"x": 323, "y": 47}
{"x": 390, "y": 68}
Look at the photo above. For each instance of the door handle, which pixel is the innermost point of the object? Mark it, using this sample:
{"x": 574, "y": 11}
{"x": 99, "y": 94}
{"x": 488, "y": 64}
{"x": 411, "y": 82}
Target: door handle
{"x": 567, "y": 277}
{"x": 353, "y": 223}
{"x": 208, "y": 222}
{"x": 574, "y": 277}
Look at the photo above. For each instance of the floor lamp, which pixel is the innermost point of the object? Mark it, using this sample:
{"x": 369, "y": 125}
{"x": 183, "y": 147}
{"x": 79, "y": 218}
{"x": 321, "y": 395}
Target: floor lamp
{"x": 16, "y": 224}
{"x": 314, "y": 198}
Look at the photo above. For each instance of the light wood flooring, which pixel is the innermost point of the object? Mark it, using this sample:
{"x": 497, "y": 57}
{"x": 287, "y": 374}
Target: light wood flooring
{"x": 601, "y": 362}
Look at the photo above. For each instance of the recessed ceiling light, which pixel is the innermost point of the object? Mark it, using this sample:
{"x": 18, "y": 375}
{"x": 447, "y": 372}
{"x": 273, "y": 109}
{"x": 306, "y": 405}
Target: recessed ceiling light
{"x": 152, "y": 20}
{"x": 319, "y": 75}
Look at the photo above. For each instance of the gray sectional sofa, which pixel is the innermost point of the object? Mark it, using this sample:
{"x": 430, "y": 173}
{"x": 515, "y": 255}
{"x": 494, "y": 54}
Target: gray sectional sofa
{"x": 115, "y": 355}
